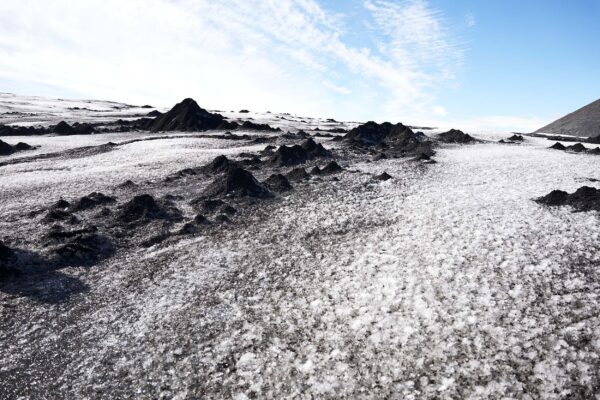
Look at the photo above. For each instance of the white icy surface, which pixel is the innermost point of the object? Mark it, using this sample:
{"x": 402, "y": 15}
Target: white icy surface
{"x": 447, "y": 281}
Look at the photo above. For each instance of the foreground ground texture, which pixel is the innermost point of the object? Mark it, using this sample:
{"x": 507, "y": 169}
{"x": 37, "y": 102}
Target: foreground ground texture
{"x": 446, "y": 281}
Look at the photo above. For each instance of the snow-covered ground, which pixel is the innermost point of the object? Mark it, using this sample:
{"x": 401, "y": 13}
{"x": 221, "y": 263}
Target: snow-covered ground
{"x": 446, "y": 281}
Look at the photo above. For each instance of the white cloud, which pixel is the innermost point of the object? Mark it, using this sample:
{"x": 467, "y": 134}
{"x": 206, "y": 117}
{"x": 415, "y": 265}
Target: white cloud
{"x": 470, "y": 20}
{"x": 281, "y": 55}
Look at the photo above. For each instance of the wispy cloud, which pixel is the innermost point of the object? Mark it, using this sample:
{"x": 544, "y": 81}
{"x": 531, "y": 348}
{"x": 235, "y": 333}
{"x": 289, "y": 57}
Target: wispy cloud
{"x": 287, "y": 55}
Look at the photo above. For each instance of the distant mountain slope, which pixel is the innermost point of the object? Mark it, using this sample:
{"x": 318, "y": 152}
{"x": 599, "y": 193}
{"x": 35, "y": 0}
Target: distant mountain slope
{"x": 584, "y": 122}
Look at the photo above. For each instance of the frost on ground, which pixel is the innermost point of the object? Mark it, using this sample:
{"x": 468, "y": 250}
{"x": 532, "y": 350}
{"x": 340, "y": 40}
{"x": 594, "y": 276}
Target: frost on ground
{"x": 446, "y": 281}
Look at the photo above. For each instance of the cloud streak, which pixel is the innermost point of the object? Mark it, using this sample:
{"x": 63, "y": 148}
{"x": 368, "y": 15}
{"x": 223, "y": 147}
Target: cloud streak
{"x": 282, "y": 55}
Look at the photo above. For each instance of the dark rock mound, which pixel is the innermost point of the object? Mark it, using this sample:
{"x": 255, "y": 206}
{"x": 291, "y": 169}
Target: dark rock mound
{"x": 251, "y": 126}
{"x": 143, "y": 208}
{"x": 219, "y": 165}
{"x": 278, "y": 183}
{"x": 583, "y": 199}
{"x": 210, "y": 206}
{"x": 595, "y": 151}
{"x": 22, "y": 146}
{"x": 554, "y": 198}
{"x": 5, "y": 149}
{"x": 62, "y": 128}
{"x": 577, "y": 148}
{"x": 380, "y": 156}
{"x": 188, "y": 116}
{"x": 297, "y": 174}
{"x": 516, "y": 138}
{"x": 222, "y": 218}
{"x": 315, "y": 170}
{"x": 60, "y": 215}
{"x": 298, "y": 154}
{"x": 397, "y": 137}
{"x": 331, "y": 168}
{"x": 237, "y": 182}
{"x": 244, "y": 111}
{"x": 154, "y": 113}
{"x": 558, "y": 146}
{"x": 93, "y": 200}
{"x": 60, "y": 205}
{"x": 128, "y": 184}
{"x": 84, "y": 249}
{"x": 384, "y": 176}
{"x": 455, "y": 136}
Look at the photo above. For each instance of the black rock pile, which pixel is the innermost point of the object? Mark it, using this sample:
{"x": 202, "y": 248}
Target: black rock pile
{"x": 583, "y": 199}
{"x": 455, "y": 136}
{"x": 7, "y": 149}
{"x": 398, "y": 138}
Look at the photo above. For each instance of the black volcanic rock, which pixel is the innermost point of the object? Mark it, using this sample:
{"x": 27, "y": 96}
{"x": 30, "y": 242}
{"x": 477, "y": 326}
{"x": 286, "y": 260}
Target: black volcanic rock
{"x": 244, "y": 111}
{"x": 251, "y": 126}
{"x": 188, "y": 116}
{"x": 425, "y": 158}
{"x": 516, "y": 138}
{"x": 5, "y": 149}
{"x": 384, "y": 176}
{"x": 7, "y": 257}
{"x": 298, "y": 154}
{"x": 278, "y": 183}
{"x": 219, "y": 165}
{"x": 577, "y": 148}
{"x": 398, "y": 137}
{"x": 558, "y": 146}
{"x": 62, "y": 128}
{"x": 583, "y": 199}
{"x": 154, "y": 113}
{"x": 455, "y": 136}
{"x": 22, "y": 146}
{"x": 297, "y": 174}
{"x": 236, "y": 182}
{"x": 331, "y": 168}
{"x": 93, "y": 200}
{"x": 142, "y": 208}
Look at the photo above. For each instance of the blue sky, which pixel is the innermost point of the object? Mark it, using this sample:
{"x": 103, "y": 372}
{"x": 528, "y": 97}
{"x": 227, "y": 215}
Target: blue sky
{"x": 494, "y": 65}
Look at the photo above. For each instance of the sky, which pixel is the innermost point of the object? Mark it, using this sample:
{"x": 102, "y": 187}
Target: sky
{"x": 470, "y": 64}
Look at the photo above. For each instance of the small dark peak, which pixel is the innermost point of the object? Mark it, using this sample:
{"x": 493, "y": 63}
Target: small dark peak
{"x": 585, "y": 198}
{"x": 222, "y": 218}
{"x": 237, "y": 182}
{"x": 558, "y": 146}
{"x": 315, "y": 170}
{"x": 56, "y": 215}
{"x": 331, "y": 168}
{"x": 297, "y": 174}
{"x": 252, "y": 126}
{"x": 331, "y": 120}
{"x": 372, "y": 133}
{"x": 516, "y": 138}
{"x": 554, "y": 198}
{"x": 128, "y": 184}
{"x": 253, "y": 161}
{"x": 244, "y": 111}
{"x": 455, "y": 136}
{"x": 380, "y": 156}
{"x": 62, "y": 128}
{"x": 384, "y": 176}
{"x": 141, "y": 208}
{"x": 103, "y": 213}
{"x": 315, "y": 149}
{"x": 289, "y": 155}
{"x": 22, "y": 146}
{"x": 594, "y": 151}
{"x": 61, "y": 204}
{"x": 577, "y": 148}
{"x": 278, "y": 183}
{"x": 154, "y": 114}
{"x": 6, "y": 149}
{"x": 146, "y": 106}
{"x": 188, "y": 116}
{"x": 219, "y": 165}
{"x": 83, "y": 248}
{"x": 93, "y": 200}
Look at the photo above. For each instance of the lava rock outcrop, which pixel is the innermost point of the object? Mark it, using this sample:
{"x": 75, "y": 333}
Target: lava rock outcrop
{"x": 585, "y": 198}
